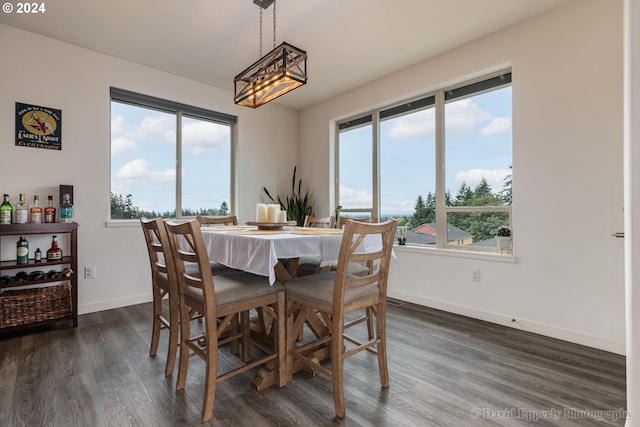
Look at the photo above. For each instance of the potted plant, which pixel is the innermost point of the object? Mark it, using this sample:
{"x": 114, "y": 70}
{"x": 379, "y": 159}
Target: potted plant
{"x": 402, "y": 238}
{"x": 503, "y": 238}
{"x": 297, "y": 205}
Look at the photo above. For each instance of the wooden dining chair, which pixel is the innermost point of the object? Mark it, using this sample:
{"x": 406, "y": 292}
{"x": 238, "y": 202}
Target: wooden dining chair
{"x": 309, "y": 264}
{"x": 323, "y": 300}
{"x": 164, "y": 283}
{"x": 221, "y": 299}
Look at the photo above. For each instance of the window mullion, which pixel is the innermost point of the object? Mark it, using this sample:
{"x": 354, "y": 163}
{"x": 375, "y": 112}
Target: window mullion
{"x": 375, "y": 184}
{"x": 178, "y": 164}
{"x": 441, "y": 214}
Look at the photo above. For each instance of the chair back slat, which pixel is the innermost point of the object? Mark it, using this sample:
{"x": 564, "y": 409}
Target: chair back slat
{"x": 342, "y": 221}
{"x": 187, "y": 246}
{"x": 217, "y": 220}
{"x": 319, "y": 222}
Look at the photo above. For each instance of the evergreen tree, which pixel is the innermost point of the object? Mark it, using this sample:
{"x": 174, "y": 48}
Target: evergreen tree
{"x": 465, "y": 194}
{"x": 507, "y": 189}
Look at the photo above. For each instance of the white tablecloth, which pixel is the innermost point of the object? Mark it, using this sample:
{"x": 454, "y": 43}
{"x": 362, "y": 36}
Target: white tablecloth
{"x": 258, "y": 253}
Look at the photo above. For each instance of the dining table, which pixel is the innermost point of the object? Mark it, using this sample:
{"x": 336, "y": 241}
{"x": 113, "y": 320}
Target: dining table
{"x": 272, "y": 253}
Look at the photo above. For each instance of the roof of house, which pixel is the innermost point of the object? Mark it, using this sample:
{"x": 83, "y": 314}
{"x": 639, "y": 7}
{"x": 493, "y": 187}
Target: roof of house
{"x": 426, "y": 238}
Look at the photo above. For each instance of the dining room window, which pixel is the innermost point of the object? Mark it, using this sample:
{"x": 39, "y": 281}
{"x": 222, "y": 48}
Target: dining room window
{"x": 168, "y": 159}
{"x": 440, "y": 163}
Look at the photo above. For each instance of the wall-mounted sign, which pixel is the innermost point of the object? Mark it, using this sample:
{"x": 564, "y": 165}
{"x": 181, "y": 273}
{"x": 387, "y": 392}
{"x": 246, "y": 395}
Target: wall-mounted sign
{"x": 39, "y": 127}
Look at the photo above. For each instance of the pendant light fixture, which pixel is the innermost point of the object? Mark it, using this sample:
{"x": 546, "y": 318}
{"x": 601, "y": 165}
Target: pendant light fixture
{"x": 274, "y": 74}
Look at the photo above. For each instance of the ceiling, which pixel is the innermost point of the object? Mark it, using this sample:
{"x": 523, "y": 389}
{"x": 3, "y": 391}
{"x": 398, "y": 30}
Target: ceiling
{"x": 349, "y": 42}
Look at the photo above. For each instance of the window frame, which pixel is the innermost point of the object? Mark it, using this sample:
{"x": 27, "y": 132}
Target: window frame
{"x": 180, "y": 110}
{"x": 441, "y": 96}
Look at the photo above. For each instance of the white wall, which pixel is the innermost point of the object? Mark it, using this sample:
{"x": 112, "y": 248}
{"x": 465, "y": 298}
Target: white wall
{"x": 567, "y": 278}
{"x": 45, "y": 72}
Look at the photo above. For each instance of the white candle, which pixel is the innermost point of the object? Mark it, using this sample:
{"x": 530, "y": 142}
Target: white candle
{"x": 272, "y": 213}
{"x": 282, "y": 217}
{"x": 261, "y": 212}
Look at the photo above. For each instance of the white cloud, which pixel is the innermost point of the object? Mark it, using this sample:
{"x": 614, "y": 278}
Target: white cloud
{"x": 417, "y": 125}
{"x": 201, "y": 136}
{"x": 125, "y": 139}
{"x": 159, "y": 128}
{"x": 355, "y": 198}
{"x": 472, "y": 177}
{"x": 462, "y": 117}
{"x": 497, "y": 126}
{"x": 138, "y": 170}
{"x": 123, "y": 145}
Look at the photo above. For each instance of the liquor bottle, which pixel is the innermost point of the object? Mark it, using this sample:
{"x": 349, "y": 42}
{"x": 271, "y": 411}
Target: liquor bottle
{"x": 66, "y": 209}
{"x": 37, "y": 256}
{"x": 6, "y": 210}
{"x": 22, "y": 211}
{"x": 22, "y": 251}
{"x": 49, "y": 211}
{"x": 36, "y": 211}
{"x": 54, "y": 253}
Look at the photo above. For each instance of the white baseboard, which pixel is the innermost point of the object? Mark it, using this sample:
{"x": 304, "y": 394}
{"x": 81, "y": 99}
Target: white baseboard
{"x": 114, "y": 303}
{"x": 552, "y": 331}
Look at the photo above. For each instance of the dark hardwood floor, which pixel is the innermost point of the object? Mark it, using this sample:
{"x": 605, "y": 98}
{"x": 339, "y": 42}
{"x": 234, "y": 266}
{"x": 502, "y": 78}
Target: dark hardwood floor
{"x": 445, "y": 370}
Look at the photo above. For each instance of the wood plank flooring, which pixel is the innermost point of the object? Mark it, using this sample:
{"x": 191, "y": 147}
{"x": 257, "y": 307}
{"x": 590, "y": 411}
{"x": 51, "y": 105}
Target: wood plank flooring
{"x": 446, "y": 370}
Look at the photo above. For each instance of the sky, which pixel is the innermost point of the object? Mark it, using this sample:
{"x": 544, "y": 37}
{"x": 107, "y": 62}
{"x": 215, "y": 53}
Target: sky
{"x": 143, "y": 159}
{"x": 478, "y": 143}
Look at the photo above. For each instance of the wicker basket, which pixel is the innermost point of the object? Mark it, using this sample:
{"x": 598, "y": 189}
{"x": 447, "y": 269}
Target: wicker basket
{"x": 23, "y": 306}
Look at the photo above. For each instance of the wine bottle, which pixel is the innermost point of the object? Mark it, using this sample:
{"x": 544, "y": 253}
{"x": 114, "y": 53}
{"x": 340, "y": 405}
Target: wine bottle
{"x": 66, "y": 273}
{"x": 36, "y": 211}
{"x": 22, "y": 211}
{"x": 54, "y": 253}
{"x": 66, "y": 209}
{"x": 22, "y": 251}
{"x": 21, "y": 276}
{"x": 52, "y": 274}
{"x": 6, "y": 210}
{"x": 49, "y": 211}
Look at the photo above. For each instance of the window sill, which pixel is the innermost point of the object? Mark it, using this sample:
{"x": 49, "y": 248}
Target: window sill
{"x": 457, "y": 253}
{"x": 123, "y": 223}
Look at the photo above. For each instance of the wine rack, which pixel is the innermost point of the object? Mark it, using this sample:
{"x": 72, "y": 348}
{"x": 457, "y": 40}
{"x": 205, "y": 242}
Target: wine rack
{"x": 21, "y": 303}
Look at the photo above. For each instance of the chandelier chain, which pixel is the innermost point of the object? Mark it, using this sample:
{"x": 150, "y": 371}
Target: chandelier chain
{"x": 260, "y": 55}
{"x": 274, "y": 24}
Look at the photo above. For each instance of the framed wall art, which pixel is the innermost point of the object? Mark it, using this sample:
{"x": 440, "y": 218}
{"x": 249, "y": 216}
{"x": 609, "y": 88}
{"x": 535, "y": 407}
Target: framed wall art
{"x": 39, "y": 127}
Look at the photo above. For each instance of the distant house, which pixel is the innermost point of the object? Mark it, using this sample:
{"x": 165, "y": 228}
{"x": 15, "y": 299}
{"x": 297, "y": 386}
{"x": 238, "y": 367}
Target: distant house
{"x": 425, "y": 234}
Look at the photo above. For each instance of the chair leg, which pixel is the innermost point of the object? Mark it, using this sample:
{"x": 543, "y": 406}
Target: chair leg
{"x": 337, "y": 363}
{"x": 291, "y": 339}
{"x": 157, "y": 312}
{"x": 235, "y": 330}
{"x": 370, "y": 325}
{"x": 245, "y": 343}
{"x": 172, "y": 348}
{"x": 211, "y": 371}
{"x": 185, "y": 334}
{"x": 280, "y": 341}
{"x": 381, "y": 329}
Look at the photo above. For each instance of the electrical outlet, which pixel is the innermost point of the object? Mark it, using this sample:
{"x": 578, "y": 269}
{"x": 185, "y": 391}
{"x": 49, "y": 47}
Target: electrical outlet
{"x": 90, "y": 272}
{"x": 475, "y": 275}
